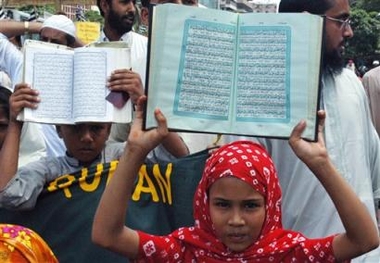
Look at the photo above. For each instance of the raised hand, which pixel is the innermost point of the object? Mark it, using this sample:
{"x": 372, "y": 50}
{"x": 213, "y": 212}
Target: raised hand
{"x": 127, "y": 81}
{"x": 145, "y": 141}
{"x": 311, "y": 153}
{"x": 23, "y": 97}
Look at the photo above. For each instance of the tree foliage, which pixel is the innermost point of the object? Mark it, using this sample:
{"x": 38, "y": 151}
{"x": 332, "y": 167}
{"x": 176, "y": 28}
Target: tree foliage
{"x": 368, "y": 5}
{"x": 365, "y": 43}
{"x": 93, "y": 16}
{"x": 40, "y": 8}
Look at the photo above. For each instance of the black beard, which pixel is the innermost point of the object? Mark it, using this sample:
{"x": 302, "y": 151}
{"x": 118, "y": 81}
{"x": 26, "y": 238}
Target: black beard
{"x": 333, "y": 62}
{"x": 118, "y": 24}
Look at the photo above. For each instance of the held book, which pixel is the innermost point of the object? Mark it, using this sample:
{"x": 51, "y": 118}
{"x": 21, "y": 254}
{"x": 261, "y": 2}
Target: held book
{"x": 253, "y": 74}
{"x": 72, "y": 82}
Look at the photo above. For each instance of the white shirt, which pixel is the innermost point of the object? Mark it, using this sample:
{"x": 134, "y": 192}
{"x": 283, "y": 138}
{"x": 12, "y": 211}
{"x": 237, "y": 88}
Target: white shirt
{"x": 138, "y": 44}
{"x": 32, "y": 144}
{"x": 11, "y": 60}
{"x": 354, "y": 148}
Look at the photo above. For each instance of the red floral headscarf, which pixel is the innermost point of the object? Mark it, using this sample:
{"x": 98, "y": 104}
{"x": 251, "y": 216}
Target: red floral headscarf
{"x": 249, "y": 162}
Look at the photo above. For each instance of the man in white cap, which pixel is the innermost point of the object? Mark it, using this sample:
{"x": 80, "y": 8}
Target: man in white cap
{"x": 57, "y": 29}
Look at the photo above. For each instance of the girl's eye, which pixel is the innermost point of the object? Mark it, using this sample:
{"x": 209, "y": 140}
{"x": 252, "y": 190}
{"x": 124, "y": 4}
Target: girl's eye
{"x": 251, "y": 205}
{"x": 221, "y": 204}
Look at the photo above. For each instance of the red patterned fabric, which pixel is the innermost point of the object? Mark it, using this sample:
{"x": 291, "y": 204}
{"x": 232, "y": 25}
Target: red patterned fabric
{"x": 249, "y": 162}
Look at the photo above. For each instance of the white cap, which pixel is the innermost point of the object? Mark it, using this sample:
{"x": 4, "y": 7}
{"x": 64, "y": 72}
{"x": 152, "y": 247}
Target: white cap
{"x": 375, "y": 63}
{"x": 5, "y": 81}
{"x": 61, "y": 23}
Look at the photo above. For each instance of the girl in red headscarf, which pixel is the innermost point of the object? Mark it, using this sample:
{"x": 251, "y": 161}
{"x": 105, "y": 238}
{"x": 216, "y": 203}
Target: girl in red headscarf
{"x": 237, "y": 207}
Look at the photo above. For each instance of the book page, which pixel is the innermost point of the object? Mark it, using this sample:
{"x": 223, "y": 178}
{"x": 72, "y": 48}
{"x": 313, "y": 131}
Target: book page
{"x": 196, "y": 64}
{"x": 277, "y": 79}
{"x": 48, "y": 69}
{"x": 92, "y": 67}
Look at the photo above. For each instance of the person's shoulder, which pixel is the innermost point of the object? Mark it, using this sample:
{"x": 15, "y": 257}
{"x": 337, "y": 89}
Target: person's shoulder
{"x": 113, "y": 150}
{"x": 373, "y": 73}
{"x": 138, "y": 37}
{"x": 44, "y": 164}
{"x": 348, "y": 75}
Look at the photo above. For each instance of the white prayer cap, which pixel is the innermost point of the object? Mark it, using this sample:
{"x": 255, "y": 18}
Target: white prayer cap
{"x": 5, "y": 81}
{"x": 61, "y": 23}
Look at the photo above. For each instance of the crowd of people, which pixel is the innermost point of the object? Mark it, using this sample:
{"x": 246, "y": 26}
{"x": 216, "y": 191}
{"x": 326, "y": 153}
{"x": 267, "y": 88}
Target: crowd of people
{"x": 259, "y": 199}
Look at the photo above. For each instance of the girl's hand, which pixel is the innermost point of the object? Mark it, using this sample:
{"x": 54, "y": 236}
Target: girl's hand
{"x": 312, "y": 154}
{"x": 145, "y": 141}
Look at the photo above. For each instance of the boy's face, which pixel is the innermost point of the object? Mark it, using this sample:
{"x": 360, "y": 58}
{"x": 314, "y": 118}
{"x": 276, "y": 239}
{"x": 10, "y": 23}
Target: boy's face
{"x": 237, "y": 212}
{"x": 3, "y": 126}
{"x": 84, "y": 141}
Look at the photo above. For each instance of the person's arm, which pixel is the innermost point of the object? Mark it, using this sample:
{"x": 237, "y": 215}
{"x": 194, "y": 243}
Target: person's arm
{"x": 17, "y": 28}
{"x": 361, "y": 235}
{"x": 23, "y": 96}
{"x": 128, "y": 81}
{"x": 109, "y": 228}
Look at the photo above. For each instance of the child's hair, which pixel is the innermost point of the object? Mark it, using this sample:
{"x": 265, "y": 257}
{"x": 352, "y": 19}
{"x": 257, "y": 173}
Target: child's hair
{"x": 5, "y": 93}
{"x": 4, "y": 100}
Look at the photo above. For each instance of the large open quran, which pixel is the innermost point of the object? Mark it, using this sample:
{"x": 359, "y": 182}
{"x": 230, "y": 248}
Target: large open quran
{"x": 72, "y": 82}
{"x": 216, "y": 71}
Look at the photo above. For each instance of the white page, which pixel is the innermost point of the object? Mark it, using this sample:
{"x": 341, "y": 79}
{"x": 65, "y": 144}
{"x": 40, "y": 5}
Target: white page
{"x": 92, "y": 67}
{"x": 50, "y": 72}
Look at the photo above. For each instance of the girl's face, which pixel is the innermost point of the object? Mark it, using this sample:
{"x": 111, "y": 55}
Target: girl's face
{"x": 237, "y": 212}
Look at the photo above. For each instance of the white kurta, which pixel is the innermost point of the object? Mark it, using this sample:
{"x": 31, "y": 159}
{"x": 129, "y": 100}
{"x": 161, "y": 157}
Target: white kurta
{"x": 353, "y": 146}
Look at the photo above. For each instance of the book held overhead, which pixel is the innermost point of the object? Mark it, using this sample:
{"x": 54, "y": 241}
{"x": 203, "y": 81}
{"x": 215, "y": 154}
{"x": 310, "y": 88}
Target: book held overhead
{"x": 214, "y": 71}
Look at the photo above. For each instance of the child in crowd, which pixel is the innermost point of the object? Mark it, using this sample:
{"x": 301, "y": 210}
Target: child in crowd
{"x": 22, "y": 245}
{"x": 237, "y": 207}
{"x": 85, "y": 146}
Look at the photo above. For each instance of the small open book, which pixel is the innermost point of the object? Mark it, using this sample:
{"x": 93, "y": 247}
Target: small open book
{"x": 251, "y": 74}
{"x": 72, "y": 82}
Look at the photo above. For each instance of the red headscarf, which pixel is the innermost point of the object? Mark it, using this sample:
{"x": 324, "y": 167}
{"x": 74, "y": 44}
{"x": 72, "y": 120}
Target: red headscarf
{"x": 249, "y": 162}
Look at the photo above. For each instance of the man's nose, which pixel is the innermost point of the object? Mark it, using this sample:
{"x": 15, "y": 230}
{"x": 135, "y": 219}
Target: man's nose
{"x": 348, "y": 32}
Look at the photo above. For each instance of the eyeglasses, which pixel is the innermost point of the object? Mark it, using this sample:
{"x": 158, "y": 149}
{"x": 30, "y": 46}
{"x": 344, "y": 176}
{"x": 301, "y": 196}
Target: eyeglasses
{"x": 343, "y": 23}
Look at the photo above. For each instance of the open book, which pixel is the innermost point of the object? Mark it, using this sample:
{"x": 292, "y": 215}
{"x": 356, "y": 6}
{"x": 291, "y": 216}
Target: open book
{"x": 214, "y": 71}
{"x": 72, "y": 82}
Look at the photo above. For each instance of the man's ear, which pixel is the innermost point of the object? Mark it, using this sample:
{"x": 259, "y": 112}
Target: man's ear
{"x": 109, "y": 129}
{"x": 104, "y": 6}
{"x": 144, "y": 16}
{"x": 58, "y": 128}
